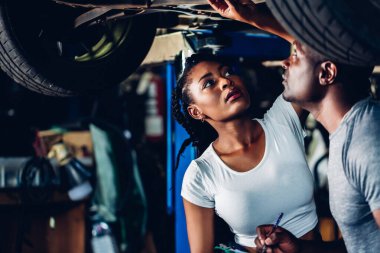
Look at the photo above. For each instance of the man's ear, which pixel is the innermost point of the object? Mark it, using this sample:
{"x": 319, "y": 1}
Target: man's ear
{"x": 328, "y": 73}
{"x": 194, "y": 112}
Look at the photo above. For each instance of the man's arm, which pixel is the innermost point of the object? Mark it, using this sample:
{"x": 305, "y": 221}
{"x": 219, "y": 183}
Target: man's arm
{"x": 246, "y": 11}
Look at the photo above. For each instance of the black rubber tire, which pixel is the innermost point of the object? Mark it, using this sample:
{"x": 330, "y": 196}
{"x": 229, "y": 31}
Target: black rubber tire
{"x": 344, "y": 30}
{"x": 28, "y": 63}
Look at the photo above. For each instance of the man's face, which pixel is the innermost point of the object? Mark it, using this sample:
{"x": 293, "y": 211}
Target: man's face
{"x": 300, "y": 78}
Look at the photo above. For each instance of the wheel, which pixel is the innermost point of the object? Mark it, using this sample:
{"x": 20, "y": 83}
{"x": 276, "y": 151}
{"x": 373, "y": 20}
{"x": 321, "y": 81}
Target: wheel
{"x": 344, "y": 30}
{"x": 40, "y": 50}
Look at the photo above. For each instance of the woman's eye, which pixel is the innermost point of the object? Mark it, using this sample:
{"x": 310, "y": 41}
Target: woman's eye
{"x": 208, "y": 83}
{"x": 228, "y": 72}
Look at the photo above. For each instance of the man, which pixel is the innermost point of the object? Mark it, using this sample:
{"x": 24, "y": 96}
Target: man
{"x": 335, "y": 94}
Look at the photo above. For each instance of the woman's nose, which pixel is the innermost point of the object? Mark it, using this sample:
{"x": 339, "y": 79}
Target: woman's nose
{"x": 226, "y": 83}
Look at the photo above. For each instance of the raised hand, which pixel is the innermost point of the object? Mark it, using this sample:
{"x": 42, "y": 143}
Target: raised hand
{"x": 240, "y": 10}
{"x": 248, "y": 12}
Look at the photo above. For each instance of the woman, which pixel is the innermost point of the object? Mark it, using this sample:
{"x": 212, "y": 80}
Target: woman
{"x": 254, "y": 170}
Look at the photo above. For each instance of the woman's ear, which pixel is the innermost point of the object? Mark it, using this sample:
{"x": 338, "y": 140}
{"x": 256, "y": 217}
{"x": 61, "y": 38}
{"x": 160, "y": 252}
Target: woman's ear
{"x": 328, "y": 73}
{"x": 194, "y": 112}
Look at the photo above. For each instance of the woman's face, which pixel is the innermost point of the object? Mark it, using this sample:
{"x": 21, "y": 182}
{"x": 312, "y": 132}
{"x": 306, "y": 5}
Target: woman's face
{"x": 218, "y": 94}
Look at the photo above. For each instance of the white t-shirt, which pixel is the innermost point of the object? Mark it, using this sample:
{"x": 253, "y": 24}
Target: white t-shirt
{"x": 281, "y": 182}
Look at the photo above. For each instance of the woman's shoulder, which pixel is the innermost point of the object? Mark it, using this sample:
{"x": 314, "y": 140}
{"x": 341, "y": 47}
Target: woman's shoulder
{"x": 207, "y": 154}
{"x": 205, "y": 164}
{"x": 206, "y": 159}
{"x": 281, "y": 110}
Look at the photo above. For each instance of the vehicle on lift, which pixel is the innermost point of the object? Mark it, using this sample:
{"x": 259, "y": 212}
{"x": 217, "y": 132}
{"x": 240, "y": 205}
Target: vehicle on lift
{"x": 69, "y": 47}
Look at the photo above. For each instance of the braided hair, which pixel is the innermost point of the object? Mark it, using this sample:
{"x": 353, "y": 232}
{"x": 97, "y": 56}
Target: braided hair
{"x": 201, "y": 134}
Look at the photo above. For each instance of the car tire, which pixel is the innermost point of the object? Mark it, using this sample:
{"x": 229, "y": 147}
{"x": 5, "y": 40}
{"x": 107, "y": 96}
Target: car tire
{"x": 343, "y": 30}
{"x": 29, "y": 59}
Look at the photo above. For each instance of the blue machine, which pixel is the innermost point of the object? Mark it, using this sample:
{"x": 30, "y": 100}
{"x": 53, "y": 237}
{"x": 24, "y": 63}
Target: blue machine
{"x": 254, "y": 46}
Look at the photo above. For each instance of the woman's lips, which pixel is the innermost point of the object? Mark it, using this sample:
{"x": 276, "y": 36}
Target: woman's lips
{"x": 233, "y": 97}
{"x": 233, "y": 94}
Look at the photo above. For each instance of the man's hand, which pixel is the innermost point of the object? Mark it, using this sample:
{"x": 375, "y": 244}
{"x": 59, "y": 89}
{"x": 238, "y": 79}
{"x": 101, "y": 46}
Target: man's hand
{"x": 248, "y": 12}
{"x": 279, "y": 241}
{"x": 240, "y": 10}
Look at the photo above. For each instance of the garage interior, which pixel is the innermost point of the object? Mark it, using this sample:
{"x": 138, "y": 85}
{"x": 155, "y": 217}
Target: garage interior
{"x": 120, "y": 189}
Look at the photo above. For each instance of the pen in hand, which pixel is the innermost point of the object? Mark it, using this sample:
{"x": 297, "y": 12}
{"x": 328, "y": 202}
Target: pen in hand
{"x": 264, "y": 249}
